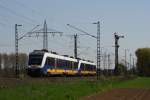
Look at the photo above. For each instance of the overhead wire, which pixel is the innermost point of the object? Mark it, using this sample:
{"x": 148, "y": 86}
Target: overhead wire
{"x": 2, "y": 24}
{"x": 81, "y": 52}
{"x": 21, "y": 16}
{"x": 18, "y": 14}
{"x": 29, "y": 7}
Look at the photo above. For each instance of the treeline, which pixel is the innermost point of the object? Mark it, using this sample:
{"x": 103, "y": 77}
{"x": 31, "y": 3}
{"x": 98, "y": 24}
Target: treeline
{"x": 8, "y": 62}
{"x": 143, "y": 61}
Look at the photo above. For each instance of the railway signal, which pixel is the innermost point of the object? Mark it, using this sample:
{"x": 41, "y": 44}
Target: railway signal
{"x": 117, "y": 37}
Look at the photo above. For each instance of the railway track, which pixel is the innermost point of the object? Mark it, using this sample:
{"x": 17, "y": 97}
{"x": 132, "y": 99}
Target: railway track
{"x": 6, "y": 82}
{"x": 63, "y": 78}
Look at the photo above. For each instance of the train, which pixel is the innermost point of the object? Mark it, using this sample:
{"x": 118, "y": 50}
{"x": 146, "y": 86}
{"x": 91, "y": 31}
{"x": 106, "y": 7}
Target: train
{"x": 43, "y": 62}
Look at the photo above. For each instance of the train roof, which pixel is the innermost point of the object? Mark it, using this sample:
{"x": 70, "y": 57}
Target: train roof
{"x": 48, "y": 54}
{"x": 86, "y": 62}
{"x": 65, "y": 57}
{"x": 37, "y": 52}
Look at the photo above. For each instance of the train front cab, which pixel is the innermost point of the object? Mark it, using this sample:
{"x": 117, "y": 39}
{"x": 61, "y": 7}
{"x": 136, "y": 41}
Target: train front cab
{"x": 35, "y": 64}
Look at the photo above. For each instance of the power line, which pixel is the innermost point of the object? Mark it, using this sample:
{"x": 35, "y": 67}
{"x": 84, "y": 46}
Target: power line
{"x": 85, "y": 33}
{"x": 2, "y": 24}
{"x": 76, "y": 36}
{"x": 6, "y": 18}
{"x": 27, "y": 6}
{"x": 17, "y": 14}
{"x": 45, "y": 32}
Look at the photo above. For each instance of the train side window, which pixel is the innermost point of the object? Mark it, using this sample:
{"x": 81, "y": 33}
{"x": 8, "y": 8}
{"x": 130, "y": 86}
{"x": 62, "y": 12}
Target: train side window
{"x": 64, "y": 63}
{"x": 50, "y": 62}
{"x": 60, "y": 63}
{"x": 69, "y": 64}
{"x": 57, "y": 63}
{"x": 94, "y": 68}
{"x": 72, "y": 63}
{"x": 75, "y": 65}
{"x": 85, "y": 66}
{"x": 47, "y": 61}
{"x": 88, "y": 67}
{"x": 82, "y": 66}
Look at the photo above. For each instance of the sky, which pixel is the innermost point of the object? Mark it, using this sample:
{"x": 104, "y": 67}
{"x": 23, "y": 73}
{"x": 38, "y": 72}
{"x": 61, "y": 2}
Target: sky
{"x": 126, "y": 17}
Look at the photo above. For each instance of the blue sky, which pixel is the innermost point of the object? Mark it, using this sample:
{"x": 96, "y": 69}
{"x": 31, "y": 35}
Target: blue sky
{"x": 126, "y": 17}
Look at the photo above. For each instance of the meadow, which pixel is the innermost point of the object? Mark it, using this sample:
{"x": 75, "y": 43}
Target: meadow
{"x": 74, "y": 89}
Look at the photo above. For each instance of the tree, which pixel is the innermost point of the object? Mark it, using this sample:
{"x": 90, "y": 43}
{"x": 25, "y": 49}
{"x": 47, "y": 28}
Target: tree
{"x": 6, "y": 60}
{"x": 143, "y": 61}
{"x": 23, "y": 60}
{"x": 121, "y": 69}
{"x": 12, "y": 60}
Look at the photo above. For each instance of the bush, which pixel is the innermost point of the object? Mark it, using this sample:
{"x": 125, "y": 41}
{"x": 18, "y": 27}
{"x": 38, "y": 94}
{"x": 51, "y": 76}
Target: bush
{"x": 143, "y": 61}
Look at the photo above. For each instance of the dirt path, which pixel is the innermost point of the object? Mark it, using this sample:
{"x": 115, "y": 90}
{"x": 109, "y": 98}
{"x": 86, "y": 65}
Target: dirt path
{"x": 122, "y": 94}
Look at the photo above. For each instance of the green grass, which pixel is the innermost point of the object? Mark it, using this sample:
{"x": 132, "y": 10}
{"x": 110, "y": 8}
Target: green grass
{"x": 49, "y": 91}
{"x": 67, "y": 90}
{"x": 140, "y": 82}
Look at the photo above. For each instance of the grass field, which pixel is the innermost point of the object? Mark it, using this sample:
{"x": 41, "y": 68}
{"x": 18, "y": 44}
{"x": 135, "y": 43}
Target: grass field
{"x": 140, "y": 82}
{"x": 65, "y": 90}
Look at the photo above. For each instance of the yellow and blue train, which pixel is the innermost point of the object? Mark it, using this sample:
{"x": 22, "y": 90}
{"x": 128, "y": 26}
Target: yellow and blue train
{"x": 47, "y": 63}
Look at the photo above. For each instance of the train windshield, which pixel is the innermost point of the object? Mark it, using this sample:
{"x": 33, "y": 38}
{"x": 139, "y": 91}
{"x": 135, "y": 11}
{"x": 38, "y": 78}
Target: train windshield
{"x": 35, "y": 59}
